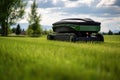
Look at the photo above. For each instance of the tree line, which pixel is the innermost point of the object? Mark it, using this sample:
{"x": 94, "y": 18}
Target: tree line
{"x": 19, "y": 31}
{"x": 111, "y": 33}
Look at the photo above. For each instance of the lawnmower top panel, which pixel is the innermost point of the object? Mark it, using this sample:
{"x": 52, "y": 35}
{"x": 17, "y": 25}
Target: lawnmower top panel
{"x": 71, "y": 25}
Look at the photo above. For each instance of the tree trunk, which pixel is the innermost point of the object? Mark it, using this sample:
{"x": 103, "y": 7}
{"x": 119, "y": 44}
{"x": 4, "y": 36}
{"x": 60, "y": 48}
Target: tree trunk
{"x": 4, "y": 29}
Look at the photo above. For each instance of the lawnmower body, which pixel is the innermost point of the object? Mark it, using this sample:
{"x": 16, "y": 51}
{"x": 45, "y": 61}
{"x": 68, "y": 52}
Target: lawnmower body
{"x": 76, "y": 29}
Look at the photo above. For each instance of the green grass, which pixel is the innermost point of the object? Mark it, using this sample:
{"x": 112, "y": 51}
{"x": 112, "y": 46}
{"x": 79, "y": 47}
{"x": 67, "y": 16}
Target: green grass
{"x": 25, "y": 58}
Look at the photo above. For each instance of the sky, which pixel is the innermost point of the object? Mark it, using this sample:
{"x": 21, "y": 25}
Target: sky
{"x": 105, "y": 11}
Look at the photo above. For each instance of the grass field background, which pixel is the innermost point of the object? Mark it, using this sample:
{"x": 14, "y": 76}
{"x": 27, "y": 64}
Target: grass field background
{"x": 25, "y": 58}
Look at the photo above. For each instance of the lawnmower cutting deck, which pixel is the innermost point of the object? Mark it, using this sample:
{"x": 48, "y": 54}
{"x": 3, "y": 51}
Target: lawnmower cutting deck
{"x": 76, "y": 29}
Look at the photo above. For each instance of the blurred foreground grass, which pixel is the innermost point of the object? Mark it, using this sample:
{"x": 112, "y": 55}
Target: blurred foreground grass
{"x": 25, "y": 58}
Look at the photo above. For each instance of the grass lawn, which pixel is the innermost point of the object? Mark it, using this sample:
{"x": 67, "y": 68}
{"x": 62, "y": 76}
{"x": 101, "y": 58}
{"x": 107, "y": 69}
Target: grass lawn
{"x": 25, "y": 58}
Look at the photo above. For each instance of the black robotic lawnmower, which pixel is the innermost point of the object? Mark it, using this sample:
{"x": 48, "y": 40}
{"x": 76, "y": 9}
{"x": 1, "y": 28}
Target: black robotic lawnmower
{"x": 76, "y": 29}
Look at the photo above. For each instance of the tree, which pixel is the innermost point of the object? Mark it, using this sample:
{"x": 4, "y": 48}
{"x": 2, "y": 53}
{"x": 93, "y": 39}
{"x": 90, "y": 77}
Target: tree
{"x": 10, "y": 12}
{"x": 13, "y": 30}
{"x": 110, "y": 32}
{"x": 119, "y": 32}
{"x": 50, "y": 31}
{"x": 45, "y": 32}
{"x": 34, "y": 28}
{"x": 18, "y": 30}
{"x": 0, "y": 29}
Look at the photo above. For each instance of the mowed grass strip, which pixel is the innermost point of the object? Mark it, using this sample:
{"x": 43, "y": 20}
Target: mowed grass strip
{"x": 25, "y": 58}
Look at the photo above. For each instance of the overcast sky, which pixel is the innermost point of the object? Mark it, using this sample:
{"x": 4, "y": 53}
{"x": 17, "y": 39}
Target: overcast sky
{"x": 105, "y": 11}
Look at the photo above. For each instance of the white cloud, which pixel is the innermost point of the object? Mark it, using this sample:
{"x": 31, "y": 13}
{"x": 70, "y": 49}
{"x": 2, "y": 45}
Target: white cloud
{"x": 88, "y": 2}
{"x": 23, "y": 21}
{"x": 29, "y": 3}
{"x": 55, "y": 1}
{"x": 49, "y": 16}
{"x": 77, "y": 3}
{"x": 104, "y": 3}
{"x": 110, "y": 24}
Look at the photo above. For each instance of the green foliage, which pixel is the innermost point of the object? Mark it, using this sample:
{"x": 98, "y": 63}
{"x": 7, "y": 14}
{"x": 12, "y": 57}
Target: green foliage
{"x": 110, "y": 32}
{"x": 34, "y": 28}
{"x": 34, "y": 17}
{"x": 10, "y": 12}
{"x": 0, "y": 30}
{"x": 9, "y": 29}
{"x": 40, "y": 59}
{"x": 18, "y": 30}
{"x": 29, "y": 30}
{"x": 45, "y": 32}
{"x": 13, "y": 30}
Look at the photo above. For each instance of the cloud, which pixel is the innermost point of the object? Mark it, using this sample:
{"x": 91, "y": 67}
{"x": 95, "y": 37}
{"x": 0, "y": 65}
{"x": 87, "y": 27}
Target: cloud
{"x": 91, "y": 7}
{"x": 77, "y": 3}
{"x": 117, "y": 3}
{"x": 62, "y": 3}
{"x": 111, "y": 24}
{"x": 106, "y": 3}
{"x": 50, "y": 3}
{"x": 73, "y": 0}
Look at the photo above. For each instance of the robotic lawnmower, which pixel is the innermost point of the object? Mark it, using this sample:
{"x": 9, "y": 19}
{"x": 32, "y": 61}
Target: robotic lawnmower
{"x": 76, "y": 29}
